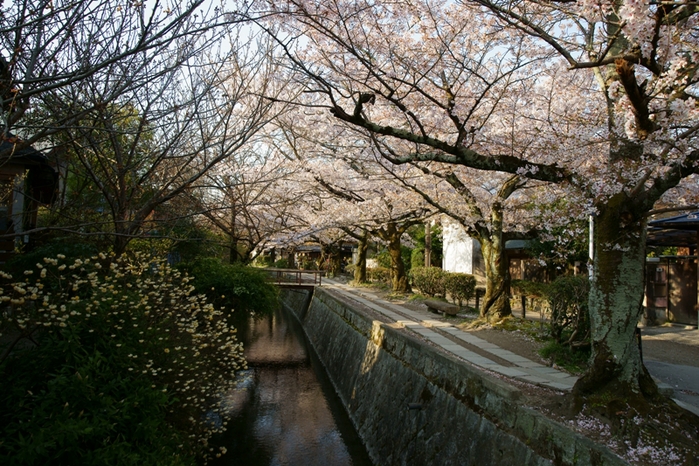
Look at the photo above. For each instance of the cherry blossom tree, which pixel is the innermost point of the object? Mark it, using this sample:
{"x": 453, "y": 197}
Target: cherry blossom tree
{"x": 614, "y": 111}
{"x": 252, "y": 198}
{"x": 643, "y": 57}
{"x": 354, "y": 192}
{"x": 141, "y": 148}
{"x": 53, "y": 50}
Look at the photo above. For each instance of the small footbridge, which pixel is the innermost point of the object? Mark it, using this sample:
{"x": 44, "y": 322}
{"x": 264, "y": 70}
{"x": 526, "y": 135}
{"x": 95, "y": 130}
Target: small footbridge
{"x": 294, "y": 278}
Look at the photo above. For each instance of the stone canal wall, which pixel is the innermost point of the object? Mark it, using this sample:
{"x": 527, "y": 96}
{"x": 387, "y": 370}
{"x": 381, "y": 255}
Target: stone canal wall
{"x": 459, "y": 415}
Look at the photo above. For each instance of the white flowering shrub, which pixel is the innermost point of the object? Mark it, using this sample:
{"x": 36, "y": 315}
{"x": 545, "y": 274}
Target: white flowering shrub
{"x": 105, "y": 359}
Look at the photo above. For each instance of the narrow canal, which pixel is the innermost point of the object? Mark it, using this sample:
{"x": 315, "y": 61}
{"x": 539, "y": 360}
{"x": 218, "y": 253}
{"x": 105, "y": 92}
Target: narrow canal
{"x": 285, "y": 411}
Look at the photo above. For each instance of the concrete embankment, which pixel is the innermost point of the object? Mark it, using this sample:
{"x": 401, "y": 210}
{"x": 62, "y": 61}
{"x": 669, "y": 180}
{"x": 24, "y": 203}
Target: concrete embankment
{"x": 412, "y": 404}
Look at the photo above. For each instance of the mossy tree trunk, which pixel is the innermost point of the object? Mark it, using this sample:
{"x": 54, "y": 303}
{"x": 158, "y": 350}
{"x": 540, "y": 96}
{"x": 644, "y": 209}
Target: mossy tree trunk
{"x": 360, "y": 265}
{"x": 496, "y": 302}
{"x": 489, "y": 234}
{"x": 391, "y": 233}
{"x": 615, "y": 303}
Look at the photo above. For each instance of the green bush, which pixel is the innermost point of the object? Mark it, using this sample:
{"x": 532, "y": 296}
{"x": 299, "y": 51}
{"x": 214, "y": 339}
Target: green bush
{"x": 417, "y": 257}
{"x": 429, "y": 280}
{"x": 117, "y": 364}
{"x": 566, "y": 298}
{"x": 234, "y": 286}
{"x": 282, "y": 264}
{"x": 379, "y": 274}
{"x": 70, "y": 249}
{"x": 383, "y": 258}
{"x": 264, "y": 260}
{"x": 529, "y": 289}
{"x": 570, "y": 320}
{"x": 307, "y": 264}
{"x": 460, "y": 286}
{"x": 574, "y": 360}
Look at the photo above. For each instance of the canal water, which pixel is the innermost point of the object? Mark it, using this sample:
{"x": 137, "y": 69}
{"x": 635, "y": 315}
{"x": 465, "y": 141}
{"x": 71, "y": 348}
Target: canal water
{"x": 285, "y": 411}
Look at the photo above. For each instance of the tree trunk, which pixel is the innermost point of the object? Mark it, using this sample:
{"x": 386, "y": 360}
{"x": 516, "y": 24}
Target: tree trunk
{"x": 120, "y": 244}
{"x": 399, "y": 280}
{"x": 124, "y": 230}
{"x": 334, "y": 263}
{"x": 496, "y": 302}
{"x": 234, "y": 255}
{"x": 398, "y": 277}
{"x": 616, "y": 294}
{"x": 360, "y": 265}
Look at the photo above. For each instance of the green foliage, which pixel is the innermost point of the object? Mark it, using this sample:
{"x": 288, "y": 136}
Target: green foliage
{"x": 236, "y": 286}
{"x": 114, "y": 363}
{"x": 307, "y": 264}
{"x": 417, "y": 258}
{"x": 186, "y": 241}
{"x": 282, "y": 264}
{"x": 658, "y": 251}
{"x": 574, "y": 360}
{"x": 68, "y": 247}
{"x": 567, "y": 302}
{"x": 529, "y": 289}
{"x": 264, "y": 260}
{"x": 379, "y": 274}
{"x": 460, "y": 286}
{"x": 383, "y": 258}
{"x": 570, "y": 320}
{"x": 418, "y": 234}
{"x": 78, "y": 404}
{"x": 429, "y": 280}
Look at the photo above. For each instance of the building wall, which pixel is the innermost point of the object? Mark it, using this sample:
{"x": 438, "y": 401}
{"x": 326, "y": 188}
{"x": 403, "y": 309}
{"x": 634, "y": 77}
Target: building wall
{"x": 461, "y": 253}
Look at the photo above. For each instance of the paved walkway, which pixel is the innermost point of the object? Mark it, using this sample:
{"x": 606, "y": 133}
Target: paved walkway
{"x": 458, "y": 342}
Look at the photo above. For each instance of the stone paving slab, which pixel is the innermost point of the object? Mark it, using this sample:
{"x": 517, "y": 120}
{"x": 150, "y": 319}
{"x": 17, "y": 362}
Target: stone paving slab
{"x": 535, "y": 379}
{"x": 433, "y": 330}
{"x": 509, "y": 371}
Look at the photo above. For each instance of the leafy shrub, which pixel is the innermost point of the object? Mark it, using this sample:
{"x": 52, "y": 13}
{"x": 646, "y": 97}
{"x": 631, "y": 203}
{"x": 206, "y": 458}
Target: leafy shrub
{"x": 566, "y": 300}
{"x": 379, "y": 274}
{"x": 574, "y": 360}
{"x": 529, "y": 289}
{"x": 570, "y": 319}
{"x": 117, "y": 365}
{"x": 460, "y": 286}
{"x": 307, "y": 264}
{"x": 235, "y": 286}
{"x": 70, "y": 249}
{"x": 383, "y": 258}
{"x": 282, "y": 264}
{"x": 264, "y": 260}
{"x": 417, "y": 257}
{"x": 429, "y": 280}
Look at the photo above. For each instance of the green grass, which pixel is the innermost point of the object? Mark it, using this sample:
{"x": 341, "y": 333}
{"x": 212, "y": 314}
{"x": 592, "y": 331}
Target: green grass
{"x": 573, "y": 360}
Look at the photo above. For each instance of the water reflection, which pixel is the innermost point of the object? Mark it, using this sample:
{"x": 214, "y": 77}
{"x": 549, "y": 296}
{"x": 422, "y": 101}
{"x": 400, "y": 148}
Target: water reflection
{"x": 284, "y": 412}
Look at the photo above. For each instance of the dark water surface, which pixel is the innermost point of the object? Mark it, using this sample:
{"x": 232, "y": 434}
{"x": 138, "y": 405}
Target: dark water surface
{"x": 285, "y": 411}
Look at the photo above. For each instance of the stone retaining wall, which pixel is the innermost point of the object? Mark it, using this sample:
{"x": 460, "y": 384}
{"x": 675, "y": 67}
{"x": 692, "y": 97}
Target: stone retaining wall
{"x": 465, "y": 417}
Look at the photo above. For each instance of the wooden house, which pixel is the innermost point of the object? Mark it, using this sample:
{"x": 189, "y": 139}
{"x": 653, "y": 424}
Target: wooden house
{"x": 27, "y": 180}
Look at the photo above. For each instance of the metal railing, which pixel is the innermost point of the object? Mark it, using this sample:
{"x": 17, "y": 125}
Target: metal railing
{"x": 295, "y": 277}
